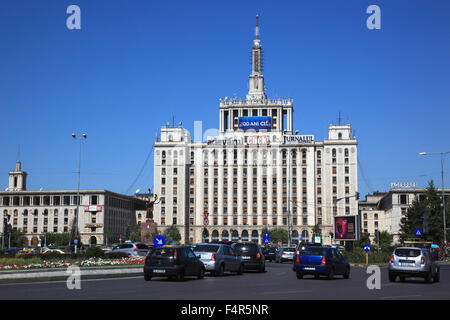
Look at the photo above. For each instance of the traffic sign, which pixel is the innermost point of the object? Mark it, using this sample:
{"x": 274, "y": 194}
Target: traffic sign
{"x": 206, "y": 214}
{"x": 206, "y": 221}
{"x": 418, "y": 232}
{"x": 75, "y": 241}
{"x": 266, "y": 237}
{"x": 367, "y": 248}
{"x": 159, "y": 241}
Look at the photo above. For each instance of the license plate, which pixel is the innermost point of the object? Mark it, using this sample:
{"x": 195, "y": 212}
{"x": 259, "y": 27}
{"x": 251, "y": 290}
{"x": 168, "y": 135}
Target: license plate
{"x": 309, "y": 268}
{"x": 159, "y": 271}
{"x": 407, "y": 262}
{"x": 246, "y": 258}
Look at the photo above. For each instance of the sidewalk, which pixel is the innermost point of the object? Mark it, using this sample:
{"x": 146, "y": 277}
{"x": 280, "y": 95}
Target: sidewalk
{"x": 58, "y": 274}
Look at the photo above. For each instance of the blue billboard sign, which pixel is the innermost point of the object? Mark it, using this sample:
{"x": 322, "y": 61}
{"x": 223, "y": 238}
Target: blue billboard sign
{"x": 255, "y": 123}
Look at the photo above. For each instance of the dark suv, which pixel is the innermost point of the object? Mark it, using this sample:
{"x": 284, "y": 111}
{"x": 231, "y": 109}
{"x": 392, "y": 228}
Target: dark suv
{"x": 251, "y": 254}
{"x": 173, "y": 262}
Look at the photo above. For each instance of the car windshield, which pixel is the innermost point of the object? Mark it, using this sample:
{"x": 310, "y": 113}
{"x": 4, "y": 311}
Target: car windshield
{"x": 206, "y": 248}
{"x": 288, "y": 249}
{"x": 125, "y": 246}
{"x": 411, "y": 253}
{"x": 314, "y": 251}
{"x": 163, "y": 253}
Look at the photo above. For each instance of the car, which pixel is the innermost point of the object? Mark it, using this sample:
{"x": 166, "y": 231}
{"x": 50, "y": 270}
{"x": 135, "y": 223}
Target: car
{"x": 133, "y": 249}
{"x": 173, "y": 262}
{"x": 413, "y": 262}
{"x": 251, "y": 254}
{"x": 53, "y": 250}
{"x": 269, "y": 253}
{"x": 320, "y": 261}
{"x": 11, "y": 251}
{"x": 219, "y": 258}
{"x": 285, "y": 254}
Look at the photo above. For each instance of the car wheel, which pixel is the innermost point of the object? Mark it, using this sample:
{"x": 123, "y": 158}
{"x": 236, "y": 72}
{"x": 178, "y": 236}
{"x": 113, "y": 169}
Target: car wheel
{"x": 147, "y": 276}
{"x": 299, "y": 275}
{"x": 437, "y": 276}
{"x": 201, "y": 273}
{"x": 221, "y": 271}
{"x": 347, "y": 273}
{"x": 392, "y": 277}
{"x": 180, "y": 275}
{"x": 331, "y": 274}
{"x": 241, "y": 269}
{"x": 429, "y": 277}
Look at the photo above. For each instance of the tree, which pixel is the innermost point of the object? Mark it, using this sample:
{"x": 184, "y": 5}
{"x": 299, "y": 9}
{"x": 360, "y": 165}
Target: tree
{"x": 317, "y": 232}
{"x": 278, "y": 235}
{"x": 135, "y": 235}
{"x": 385, "y": 240}
{"x": 56, "y": 239}
{"x": 172, "y": 235}
{"x": 14, "y": 237}
{"x": 429, "y": 206}
{"x": 363, "y": 240}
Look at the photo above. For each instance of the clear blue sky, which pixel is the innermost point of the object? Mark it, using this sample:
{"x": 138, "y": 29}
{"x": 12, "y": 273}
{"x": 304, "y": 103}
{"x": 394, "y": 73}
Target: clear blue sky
{"x": 136, "y": 63}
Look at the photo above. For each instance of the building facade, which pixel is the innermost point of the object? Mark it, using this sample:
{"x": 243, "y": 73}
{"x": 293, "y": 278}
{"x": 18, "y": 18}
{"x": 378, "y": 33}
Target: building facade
{"x": 101, "y": 212}
{"x": 257, "y": 172}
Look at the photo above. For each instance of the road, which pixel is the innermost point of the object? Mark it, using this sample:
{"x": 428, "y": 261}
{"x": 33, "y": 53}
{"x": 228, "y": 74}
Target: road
{"x": 277, "y": 283}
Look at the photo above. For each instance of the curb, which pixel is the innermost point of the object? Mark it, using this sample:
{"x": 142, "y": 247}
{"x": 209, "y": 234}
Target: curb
{"x": 7, "y": 277}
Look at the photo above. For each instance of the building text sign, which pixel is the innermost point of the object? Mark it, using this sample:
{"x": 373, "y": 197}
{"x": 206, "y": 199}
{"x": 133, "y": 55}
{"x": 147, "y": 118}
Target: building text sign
{"x": 303, "y": 139}
{"x": 403, "y": 185}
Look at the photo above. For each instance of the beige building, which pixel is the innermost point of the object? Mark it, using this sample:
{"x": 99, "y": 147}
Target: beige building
{"x": 38, "y": 212}
{"x": 257, "y": 172}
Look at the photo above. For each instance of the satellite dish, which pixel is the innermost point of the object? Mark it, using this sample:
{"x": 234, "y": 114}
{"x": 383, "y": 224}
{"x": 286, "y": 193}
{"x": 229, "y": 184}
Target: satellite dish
{"x": 137, "y": 191}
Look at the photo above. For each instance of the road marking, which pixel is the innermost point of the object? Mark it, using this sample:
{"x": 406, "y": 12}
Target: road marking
{"x": 59, "y": 281}
{"x": 399, "y": 297}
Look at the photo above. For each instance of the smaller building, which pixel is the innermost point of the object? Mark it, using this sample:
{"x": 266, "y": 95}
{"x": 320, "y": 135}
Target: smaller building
{"x": 373, "y": 218}
{"x": 102, "y": 213}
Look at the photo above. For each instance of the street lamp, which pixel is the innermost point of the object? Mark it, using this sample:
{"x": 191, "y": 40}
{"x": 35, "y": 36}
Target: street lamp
{"x": 442, "y": 180}
{"x": 83, "y": 137}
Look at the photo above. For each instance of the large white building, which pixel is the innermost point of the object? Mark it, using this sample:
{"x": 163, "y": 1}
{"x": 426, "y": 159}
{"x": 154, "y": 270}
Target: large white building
{"x": 257, "y": 172}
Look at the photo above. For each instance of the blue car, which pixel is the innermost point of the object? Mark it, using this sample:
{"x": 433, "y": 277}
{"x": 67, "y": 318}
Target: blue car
{"x": 320, "y": 261}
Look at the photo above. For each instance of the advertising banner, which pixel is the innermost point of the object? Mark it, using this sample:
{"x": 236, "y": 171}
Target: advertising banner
{"x": 346, "y": 228}
{"x": 255, "y": 123}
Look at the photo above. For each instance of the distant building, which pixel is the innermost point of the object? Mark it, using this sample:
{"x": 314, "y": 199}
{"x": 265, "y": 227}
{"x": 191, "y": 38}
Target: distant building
{"x": 36, "y": 212}
{"x": 383, "y": 210}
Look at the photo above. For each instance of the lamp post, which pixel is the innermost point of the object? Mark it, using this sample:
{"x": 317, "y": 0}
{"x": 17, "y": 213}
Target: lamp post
{"x": 83, "y": 137}
{"x": 442, "y": 180}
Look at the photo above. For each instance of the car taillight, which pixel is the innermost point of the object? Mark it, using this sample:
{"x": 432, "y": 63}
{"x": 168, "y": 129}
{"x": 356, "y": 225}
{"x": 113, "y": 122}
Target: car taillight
{"x": 175, "y": 256}
{"x": 422, "y": 260}
{"x": 258, "y": 256}
{"x": 297, "y": 259}
{"x": 392, "y": 259}
{"x": 135, "y": 249}
{"x": 324, "y": 261}
{"x": 213, "y": 257}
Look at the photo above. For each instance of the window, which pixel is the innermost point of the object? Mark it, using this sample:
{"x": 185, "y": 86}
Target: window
{"x": 403, "y": 199}
{"x": 94, "y": 200}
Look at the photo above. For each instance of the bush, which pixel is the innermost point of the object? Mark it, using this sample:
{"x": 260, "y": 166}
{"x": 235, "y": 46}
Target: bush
{"x": 359, "y": 256}
{"x": 115, "y": 255}
{"x": 94, "y": 252}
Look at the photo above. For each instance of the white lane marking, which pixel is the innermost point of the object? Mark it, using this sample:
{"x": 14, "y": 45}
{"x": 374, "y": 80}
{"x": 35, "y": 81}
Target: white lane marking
{"x": 285, "y": 292}
{"x": 59, "y": 281}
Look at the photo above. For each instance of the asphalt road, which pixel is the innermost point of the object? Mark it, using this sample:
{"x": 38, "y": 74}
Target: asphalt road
{"x": 277, "y": 283}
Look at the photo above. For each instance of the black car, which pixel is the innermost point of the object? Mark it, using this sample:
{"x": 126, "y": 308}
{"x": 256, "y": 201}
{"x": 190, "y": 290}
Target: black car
{"x": 251, "y": 254}
{"x": 270, "y": 253}
{"x": 173, "y": 262}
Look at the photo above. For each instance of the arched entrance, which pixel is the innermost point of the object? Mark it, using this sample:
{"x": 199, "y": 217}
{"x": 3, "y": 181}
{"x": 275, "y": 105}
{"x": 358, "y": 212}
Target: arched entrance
{"x": 305, "y": 235}
{"x": 255, "y": 236}
{"x": 93, "y": 240}
{"x": 205, "y": 235}
{"x": 235, "y": 235}
{"x": 34, "y": 241}
{"x": 225, "y": 235}
{"x": 245, "y": 235}
{"x": 215, "y": 235}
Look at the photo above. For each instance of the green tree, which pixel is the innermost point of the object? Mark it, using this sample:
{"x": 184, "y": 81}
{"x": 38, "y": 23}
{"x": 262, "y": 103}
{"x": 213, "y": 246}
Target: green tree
{"x": 363, "y": 240}
{"x": 385, "y": 240}
{"x": 430, "y": 205}
{"x": 14, "y": 237}
{"x": 135, "y": 234}
{"x": 317, "y": 232}
{"x": 172, "y": 235}
{"x": 278, "y": 235}
{"x": 56, "y": 239}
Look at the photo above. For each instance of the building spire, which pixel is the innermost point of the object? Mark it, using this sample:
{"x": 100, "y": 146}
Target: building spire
{"x": 256, "y": 81}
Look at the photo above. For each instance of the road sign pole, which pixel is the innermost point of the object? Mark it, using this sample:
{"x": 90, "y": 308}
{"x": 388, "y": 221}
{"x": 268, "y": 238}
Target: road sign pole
{"x": 367, "y": 258}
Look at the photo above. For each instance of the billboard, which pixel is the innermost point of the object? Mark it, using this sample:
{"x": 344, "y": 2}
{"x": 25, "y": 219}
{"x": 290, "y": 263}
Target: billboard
{"x": 255, "y": 123}
{"x": 346, "y": 228}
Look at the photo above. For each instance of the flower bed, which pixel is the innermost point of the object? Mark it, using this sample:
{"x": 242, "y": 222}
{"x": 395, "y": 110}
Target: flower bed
{"x": 92, "y": 262}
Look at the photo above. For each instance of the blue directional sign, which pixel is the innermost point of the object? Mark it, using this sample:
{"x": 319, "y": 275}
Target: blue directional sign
{"x": 367, "y": 248}
{"x": 266, "y": 237}
{"x": 418, "y": 232}
{"x": 75, "y": 241}
{"x": 159, "y": 241}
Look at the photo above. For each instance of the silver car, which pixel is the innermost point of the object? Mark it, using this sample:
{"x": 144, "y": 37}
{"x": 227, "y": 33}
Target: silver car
{"x": 413, "y": 262}
{"x": 133, "y": 249}
{"x": 285, "y": 254}
{"x": 219, "y": 258}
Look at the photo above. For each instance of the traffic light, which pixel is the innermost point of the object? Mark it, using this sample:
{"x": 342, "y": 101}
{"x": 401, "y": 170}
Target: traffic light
{"x": 357, "y": 196}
